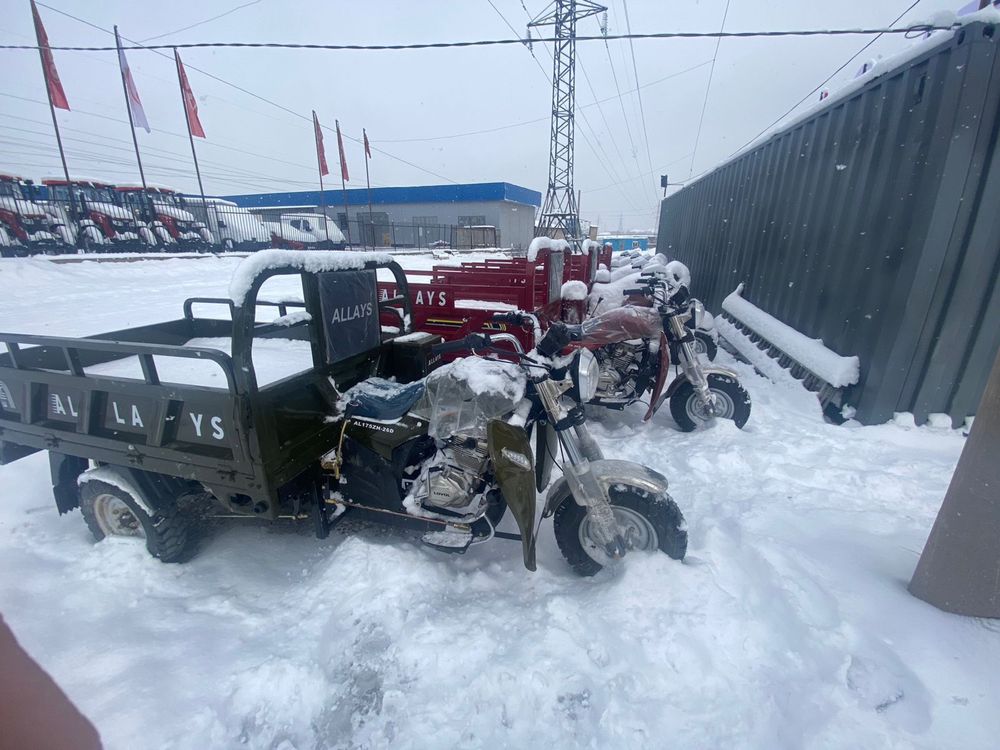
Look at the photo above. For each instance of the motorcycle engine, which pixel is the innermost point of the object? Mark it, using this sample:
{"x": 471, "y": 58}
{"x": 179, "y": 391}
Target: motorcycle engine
{"x": 457, "y": 473}
{"x": 619, "y": 364}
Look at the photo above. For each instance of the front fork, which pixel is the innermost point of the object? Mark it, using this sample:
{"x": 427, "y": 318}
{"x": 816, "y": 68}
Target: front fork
{"x": 581, "y": 448}
{"x": 692, "y": 366}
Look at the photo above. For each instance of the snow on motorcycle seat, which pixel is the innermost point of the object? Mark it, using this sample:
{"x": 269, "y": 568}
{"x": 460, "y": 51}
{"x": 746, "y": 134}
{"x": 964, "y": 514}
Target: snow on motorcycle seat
{"x": 381, "y": 400}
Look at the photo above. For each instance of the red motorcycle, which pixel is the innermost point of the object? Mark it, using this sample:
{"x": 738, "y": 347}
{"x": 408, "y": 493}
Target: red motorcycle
{"x": 634, "y": 346}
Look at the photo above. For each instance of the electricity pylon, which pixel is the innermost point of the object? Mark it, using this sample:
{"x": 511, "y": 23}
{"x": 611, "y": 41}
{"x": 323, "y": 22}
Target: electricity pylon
{"x": 560, "y": 212}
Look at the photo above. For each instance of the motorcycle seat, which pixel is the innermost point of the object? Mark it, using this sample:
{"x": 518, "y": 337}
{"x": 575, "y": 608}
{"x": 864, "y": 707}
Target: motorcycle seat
{"x": 382, "y": 400}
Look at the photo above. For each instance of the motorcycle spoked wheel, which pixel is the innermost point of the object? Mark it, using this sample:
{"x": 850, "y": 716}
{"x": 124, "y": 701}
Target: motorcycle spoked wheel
{"x": 653, "y": 522}
{"x": 733, "y": 401}
{"x": 705, "y": 346}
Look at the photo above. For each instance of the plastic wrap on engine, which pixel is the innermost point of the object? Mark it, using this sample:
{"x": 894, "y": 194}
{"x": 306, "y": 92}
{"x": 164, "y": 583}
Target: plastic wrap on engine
{"x": 463, "y": 396}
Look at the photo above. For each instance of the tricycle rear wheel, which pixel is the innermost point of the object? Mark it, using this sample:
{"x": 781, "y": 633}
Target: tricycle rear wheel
{"x": 110, "y": 510}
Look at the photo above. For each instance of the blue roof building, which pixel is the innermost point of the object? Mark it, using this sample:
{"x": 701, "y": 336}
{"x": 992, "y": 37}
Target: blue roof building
{"x": 423, "y": 213}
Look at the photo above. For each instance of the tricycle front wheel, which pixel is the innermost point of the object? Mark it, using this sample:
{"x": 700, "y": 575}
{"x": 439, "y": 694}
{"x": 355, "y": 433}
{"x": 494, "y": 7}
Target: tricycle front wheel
{"x": 731, "y": 400}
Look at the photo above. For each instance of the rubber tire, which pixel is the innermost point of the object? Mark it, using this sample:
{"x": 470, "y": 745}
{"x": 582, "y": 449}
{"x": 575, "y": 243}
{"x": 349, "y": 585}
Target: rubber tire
{"x": 705, "y": 342}
{"x": 716, "y": 382}
{"x": 660, "y": 510}
{"x": 166, "y": 532}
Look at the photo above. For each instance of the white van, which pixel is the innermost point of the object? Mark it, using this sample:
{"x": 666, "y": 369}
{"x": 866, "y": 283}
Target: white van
{"x": 235, "y": 227}
{"x": 313, "y": 224}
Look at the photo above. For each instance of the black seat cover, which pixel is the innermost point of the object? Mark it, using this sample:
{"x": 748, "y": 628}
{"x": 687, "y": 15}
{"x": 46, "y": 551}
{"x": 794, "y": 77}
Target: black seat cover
{"x": 383, "y": 400}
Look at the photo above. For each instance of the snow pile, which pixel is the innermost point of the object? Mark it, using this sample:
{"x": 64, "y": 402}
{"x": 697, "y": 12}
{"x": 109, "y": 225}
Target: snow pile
{"x": 482, "y": 304}
{"x": 678, "y": 274}
{"x": 310, "y": 261}
{"x": 573, "y": 290}
{"x": 545, "y": 243}
{"x": 787, "y": 626}
{"x": 292, "y": 319}
{"x": 590, "y": 246}
{"x": 484, "y": 376}
{"x": 837, "y": 370}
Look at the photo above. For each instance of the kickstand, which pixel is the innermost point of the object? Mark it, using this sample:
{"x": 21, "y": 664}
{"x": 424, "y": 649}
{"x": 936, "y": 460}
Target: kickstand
{"x": 318, "y": 512}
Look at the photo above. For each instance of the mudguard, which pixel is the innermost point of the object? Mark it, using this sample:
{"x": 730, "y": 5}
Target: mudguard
{"x": 546, "y": 446}
{"x": 680, "y": 380}
{"x": 510, "y": 452}
{"x": 609, "y": 472}
{"x": 661, "y": 378}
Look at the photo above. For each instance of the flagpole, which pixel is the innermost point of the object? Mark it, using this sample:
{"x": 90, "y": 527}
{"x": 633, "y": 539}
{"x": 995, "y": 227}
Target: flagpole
{"x": 48, "y": 95}
{"x": 371, "y": 219}
{"x": 343, "y": 184}
{"x": 55, "y": 125}
{"x": 128, "y": 108}
{"x": 187, "y": 121}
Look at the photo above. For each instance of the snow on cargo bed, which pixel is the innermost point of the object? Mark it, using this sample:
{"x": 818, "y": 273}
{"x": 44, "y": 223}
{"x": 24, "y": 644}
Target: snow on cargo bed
{"x": 273, "y": 359}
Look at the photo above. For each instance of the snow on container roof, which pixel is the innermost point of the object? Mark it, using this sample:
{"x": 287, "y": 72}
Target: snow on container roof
{"x": 876, "y": 69}
{"x": 482, "y": 191}
{"x": 310, "y": 261}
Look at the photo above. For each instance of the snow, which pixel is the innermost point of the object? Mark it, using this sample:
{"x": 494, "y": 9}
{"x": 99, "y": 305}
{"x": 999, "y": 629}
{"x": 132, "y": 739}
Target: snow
{"x": 835, "y": 369}
{"x": 544, "y": 243}
{"x": 787, "y": 626}
{"x": 482, "y": 304}
{"x": 109, "y": 475}
{"x": 483, "y": 375}
{"x": 273, "y": 359}
{"x": 573, "y": 290}
{"x": 292, "y": 319}
{"x": 312, "y": 261}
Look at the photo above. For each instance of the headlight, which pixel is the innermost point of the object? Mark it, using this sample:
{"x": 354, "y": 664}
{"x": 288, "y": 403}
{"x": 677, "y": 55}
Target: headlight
{"x": 697, "y": 312}
{"x": 586, "y": 372}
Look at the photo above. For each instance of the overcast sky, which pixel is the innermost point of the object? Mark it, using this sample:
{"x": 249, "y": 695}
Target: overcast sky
{"x": 419, "y": 106}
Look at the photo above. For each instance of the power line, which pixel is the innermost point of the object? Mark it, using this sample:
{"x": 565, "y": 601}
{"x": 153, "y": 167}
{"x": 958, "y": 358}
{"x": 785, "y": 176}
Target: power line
{"x": 155, "y": 48}
{"x": 202, "y": 23}
{"x": 540, "y": 119}
{"x": 635, "y": 70}
{"x": 825, "y": 81}
{"x": 609, "y": 166}
{"x": 133, "y": 45}
{"x": 642, "y": 174}
{"x": 708, "y": 90}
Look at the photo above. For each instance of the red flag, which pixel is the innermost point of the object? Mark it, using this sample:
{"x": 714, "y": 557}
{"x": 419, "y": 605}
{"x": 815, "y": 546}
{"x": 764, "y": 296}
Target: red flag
{"x": 56, "y": 94}
{"x": 320, "y": 151}
{"x": 368, "y": 150}
{"x": 190, "y": 105}
{"x": 343, "y": 161}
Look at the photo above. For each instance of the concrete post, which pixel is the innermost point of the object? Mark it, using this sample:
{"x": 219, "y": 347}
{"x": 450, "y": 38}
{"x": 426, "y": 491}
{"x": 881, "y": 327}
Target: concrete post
{"x": 959, "y": 570}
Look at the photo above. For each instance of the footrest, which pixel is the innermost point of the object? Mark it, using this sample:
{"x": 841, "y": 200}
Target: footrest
{"x": 449, "y": 539}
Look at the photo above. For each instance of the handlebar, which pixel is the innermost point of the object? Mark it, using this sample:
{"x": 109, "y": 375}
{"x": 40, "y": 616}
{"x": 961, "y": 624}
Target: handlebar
{"x": 514, "y": 318}
{"x": 472, "y": 342}
{"x": 632, "y": 292}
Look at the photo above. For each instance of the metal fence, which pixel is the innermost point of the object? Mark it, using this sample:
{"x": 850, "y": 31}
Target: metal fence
{"x": 874, "y": 225}
{"x": 99, "y": 218}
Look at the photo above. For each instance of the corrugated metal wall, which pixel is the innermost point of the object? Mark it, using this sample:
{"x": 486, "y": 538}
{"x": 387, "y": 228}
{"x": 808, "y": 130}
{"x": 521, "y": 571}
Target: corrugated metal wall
{"x": 874, "y": 224}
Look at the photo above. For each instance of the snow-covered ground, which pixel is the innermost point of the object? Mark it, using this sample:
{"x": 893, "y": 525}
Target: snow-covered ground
{"x": 788, "y": 625}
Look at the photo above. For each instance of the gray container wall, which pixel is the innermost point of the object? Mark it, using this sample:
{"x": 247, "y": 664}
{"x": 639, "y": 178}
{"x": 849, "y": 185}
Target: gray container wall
{"x": 874, "y": 225}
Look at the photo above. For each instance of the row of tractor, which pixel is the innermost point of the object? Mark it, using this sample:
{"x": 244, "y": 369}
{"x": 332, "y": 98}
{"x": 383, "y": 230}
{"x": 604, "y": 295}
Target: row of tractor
{"x": 60, "y": 216}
